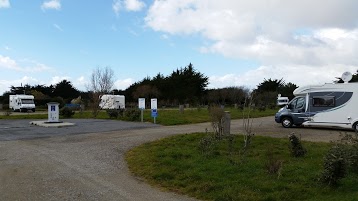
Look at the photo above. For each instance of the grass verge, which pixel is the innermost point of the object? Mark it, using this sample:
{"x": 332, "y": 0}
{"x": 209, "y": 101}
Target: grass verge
{"x": 176, "y": 164}
{"x": 165, "y": 117}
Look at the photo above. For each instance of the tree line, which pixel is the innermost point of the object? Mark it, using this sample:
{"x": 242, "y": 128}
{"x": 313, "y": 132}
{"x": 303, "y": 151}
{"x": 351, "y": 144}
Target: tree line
{"x": 182, "y": 86}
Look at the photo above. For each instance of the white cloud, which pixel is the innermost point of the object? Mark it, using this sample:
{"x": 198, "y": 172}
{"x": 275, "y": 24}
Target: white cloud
{"x": 123, "y": 84}
{"x": 80, "y": 83}
{"x": 6, "y": 84}
{"x": 57, "y": 79}
{"x": 128, "y": 5}
{"x": 26, "y": 65}
{"x": 7, "y": 62}
{"x": 116, "y": 6}
{"x": 300, "y": 75}
{"x": 51, "y": 4}
{"x": 319, "y": 36}
{"x": 134, "y": 5}
{"x": 5, "y": 4}
{"x": 58, "y": 27}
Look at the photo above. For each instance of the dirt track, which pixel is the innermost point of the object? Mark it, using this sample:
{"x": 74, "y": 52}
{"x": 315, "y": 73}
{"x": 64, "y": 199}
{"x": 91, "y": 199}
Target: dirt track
{"x": 92, "y": 167}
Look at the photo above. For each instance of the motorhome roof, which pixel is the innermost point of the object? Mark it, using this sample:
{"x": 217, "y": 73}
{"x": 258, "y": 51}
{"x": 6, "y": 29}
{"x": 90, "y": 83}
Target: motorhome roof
{"x": 352, "y": 87}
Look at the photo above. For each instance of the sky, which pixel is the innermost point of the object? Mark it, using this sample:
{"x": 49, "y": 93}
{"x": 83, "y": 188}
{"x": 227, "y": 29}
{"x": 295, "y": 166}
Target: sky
{"x": 232, "y": 42}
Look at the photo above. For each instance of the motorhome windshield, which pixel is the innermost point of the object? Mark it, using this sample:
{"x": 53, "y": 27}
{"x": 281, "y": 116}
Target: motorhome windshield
{"x": 27, "y": 101}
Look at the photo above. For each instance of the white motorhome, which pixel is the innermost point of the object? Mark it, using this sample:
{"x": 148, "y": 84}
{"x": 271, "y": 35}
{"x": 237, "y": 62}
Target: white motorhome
{"x": 22, "y": 103}
{"x": 282, "y": 100}
{"x": 328, "y": 105}
{"x": 109, "y": 101}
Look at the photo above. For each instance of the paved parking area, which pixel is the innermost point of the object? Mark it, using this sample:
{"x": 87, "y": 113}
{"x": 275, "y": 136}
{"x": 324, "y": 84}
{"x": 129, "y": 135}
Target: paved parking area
{"x": 21, "y": 129}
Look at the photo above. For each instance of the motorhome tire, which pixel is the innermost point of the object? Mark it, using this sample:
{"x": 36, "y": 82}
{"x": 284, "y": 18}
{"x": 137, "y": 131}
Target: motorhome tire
{"x": 355, "y": 126}
{"x": 286, "y": 122}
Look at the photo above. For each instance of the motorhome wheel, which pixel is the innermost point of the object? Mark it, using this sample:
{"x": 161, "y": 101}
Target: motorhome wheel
{"x": 287, "y": 122}
{"x": 355, "y": 126}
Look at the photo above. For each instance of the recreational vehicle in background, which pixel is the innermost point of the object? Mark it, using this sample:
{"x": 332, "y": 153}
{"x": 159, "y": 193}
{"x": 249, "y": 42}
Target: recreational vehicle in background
{"x": 22, "y": 103}
{"x": 282, "y": 100}
{"x": 328, "y": 105}
{"x": 109, "y": 101}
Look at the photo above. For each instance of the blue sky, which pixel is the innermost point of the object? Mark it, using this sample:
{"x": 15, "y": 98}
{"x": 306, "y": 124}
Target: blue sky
{"x": 233, "y": 42}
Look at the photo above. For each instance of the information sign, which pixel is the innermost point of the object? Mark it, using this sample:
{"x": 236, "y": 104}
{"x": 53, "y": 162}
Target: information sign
{"x": 141, "y": 103}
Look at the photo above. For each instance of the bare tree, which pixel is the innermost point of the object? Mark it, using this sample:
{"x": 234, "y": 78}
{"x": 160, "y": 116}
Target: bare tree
{"x": 101, "y": 82}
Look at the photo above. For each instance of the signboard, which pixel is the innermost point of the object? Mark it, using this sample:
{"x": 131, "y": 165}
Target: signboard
{"x": 153, "y": 103}
{"x": 141, "y": 103}
{"x": 154, "y": 113}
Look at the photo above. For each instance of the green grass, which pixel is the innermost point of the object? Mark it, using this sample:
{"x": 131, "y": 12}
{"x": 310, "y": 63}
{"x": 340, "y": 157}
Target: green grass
{"x": 176, "y": 164}
{"x": 165, "y": 117}
{"x": 174, "y": 117}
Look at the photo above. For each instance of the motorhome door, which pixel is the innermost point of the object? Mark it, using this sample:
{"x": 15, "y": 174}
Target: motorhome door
{"x": 298, "y": 110}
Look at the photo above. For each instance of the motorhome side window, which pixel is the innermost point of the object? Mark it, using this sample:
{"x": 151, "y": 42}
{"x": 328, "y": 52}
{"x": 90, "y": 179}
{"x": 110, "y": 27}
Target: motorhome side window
{"x": 326, "y": 101}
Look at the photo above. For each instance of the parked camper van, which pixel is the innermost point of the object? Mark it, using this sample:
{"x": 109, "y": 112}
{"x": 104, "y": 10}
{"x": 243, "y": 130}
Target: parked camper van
{"x": 328, "y": 105}
{"x": 282, "y": 100}
{"x": 21, "y": 102}
{"x": 109, "y": 101}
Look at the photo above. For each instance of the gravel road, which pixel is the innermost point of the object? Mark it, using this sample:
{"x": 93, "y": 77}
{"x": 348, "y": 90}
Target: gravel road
{"x": 88, "y": 164}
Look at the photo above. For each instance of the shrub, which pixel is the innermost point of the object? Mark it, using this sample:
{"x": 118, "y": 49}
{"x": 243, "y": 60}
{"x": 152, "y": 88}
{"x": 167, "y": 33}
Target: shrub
{"x": 8, "y": 112}
{"x": 217, "y": 121}
{"x": 261, "y": 108}
{"x": 335, "y": 165}
{"x": 350, "y": 143}
{"x": 354, "y": 158}
{"x": 206, "y": 145}
{"x": 273, "y": 165}
{"x": 132, "y": 114}
{"x": 296, "y": 147}
{"x": 115, "y": 113}
{"x": 67, "y": 112}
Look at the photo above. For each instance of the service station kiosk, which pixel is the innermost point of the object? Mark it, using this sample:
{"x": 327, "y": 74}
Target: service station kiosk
{"x": 53, "y": 112}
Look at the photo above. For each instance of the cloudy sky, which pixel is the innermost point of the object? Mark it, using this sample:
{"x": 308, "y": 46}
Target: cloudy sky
{"x": 233, "y": 42}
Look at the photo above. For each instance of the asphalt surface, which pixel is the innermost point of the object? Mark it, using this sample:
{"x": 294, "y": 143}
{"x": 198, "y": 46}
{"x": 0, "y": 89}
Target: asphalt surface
{"x": 21, "y": 129}
{"x": 86, "y": 162}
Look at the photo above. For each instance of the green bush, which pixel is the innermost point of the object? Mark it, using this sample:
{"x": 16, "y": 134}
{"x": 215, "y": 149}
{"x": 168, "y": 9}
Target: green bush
{"x": 296, "y": 147}
{"x": 273, "y": 164}
{"x": 112, "y": 113}
{"x": 67, "y": 112}
{"x": 132, "y": 114}
{"x": 353, "y": 158}
{"x": 335, "y": 165}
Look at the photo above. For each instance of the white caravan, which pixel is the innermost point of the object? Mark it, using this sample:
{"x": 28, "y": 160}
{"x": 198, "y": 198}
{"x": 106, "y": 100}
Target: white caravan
{"x": 328, "y": 105}
{"x": 21, "y": 102}
{"x": 109, "y": 101}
